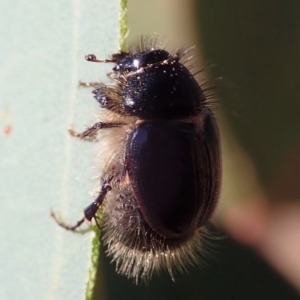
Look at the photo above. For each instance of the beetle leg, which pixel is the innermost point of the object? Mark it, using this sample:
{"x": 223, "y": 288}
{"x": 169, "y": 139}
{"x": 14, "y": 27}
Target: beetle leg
{"x": 89, "y": 84}
{"x": 90, "y": 132}
{"x": 90, "y": 211}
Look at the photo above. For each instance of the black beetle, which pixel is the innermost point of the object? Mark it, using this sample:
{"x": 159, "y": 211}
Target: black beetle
{"x": 160, "y": 179}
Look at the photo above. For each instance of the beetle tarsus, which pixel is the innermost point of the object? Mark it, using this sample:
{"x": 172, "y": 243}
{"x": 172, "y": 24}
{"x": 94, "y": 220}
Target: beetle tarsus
{"x": 88, "y": 84}
{"x": 65, "y": 226}
{"x": 90, "y": 212}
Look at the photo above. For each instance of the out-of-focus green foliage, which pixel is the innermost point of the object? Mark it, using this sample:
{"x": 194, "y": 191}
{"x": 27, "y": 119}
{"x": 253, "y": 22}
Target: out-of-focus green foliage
{"x": 255, "y": 46}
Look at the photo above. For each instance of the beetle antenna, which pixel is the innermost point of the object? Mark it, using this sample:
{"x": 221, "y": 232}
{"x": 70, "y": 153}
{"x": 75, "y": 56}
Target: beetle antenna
{"x": 93, "y": 58}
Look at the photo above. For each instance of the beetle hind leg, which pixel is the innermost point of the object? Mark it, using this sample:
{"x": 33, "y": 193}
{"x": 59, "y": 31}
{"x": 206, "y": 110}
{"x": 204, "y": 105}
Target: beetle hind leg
{"x": 90, "y": 212}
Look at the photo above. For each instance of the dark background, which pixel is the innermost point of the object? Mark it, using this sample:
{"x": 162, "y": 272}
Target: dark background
{"x": 234, "y": 272}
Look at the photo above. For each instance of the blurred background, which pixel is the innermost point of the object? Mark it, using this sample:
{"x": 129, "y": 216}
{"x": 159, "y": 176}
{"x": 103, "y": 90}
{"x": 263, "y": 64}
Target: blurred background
{"x": 254, "y": 50}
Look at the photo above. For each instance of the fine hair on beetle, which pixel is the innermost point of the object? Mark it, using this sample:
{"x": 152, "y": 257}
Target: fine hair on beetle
{"x": 159, "y": 159}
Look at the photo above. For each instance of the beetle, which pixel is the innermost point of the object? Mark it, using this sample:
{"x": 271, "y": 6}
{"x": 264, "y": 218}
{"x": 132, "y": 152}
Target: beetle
{"x": 161, "y": 170}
